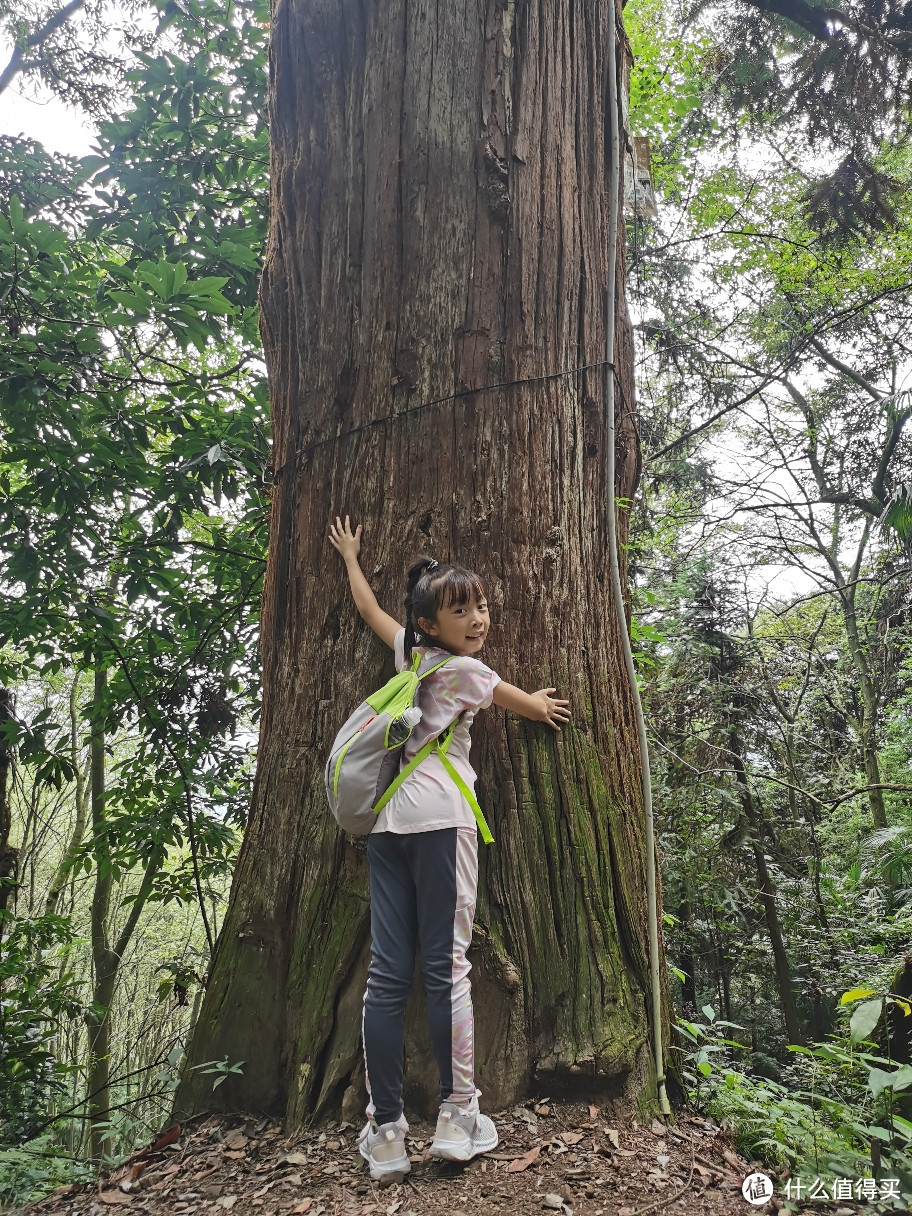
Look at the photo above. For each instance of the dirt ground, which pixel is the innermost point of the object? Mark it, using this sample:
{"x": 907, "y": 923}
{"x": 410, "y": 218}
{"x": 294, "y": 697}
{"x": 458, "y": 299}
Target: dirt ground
{"x": 552, "y": 1157}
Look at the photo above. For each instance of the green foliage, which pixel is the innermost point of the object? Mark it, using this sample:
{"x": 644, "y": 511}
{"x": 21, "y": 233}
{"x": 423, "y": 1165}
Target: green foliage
{"x": 134, "y": 499}
{"x": 220, "y": 1069}
{"x": 38, "y": 995}
{"x": 133, "y": 431}
{"x": 838, "y": 1100}
{"x": 30, "y": 1171}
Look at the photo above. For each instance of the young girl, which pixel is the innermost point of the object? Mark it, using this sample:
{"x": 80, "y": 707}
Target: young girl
{"x": 423, "y": 858}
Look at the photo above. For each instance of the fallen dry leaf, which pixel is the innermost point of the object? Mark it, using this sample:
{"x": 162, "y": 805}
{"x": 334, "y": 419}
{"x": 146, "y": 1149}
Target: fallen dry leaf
{"x": 593, "y": 1112}
{"x": 304, "y": 1206}
{"x": 236, "y": 1139}
{"x": 294, "y": 1159}
{"x": 543, "y": 1110}
{"x": 136, "y": 1169}
{"x": 518, "y": 1164}
{"x": 613, "y": 1136}
{"x": 571, "y": 1137}
{"x": 657, "y": 1128}
{"x": 114, "y": 1197}
{"x": 166, "y": 1138}
{"x": 237, "y": 1155}
{"x": 68, "y": 1188}
{"x": 731, "y": 1159}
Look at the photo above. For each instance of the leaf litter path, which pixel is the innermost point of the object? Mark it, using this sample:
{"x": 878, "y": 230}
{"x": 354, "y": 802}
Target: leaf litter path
{"x": 571, "y": 1159}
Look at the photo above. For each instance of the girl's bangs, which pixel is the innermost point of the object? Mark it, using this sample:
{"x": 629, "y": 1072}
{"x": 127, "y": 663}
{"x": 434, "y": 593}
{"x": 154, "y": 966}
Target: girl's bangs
{"x": 459, "y": 586}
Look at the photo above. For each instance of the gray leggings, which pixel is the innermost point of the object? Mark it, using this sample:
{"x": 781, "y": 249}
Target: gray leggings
{"x": 422, "y": 893}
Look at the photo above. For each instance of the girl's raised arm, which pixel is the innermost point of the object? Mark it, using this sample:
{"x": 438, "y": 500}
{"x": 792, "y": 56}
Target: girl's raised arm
{"x": 348, "y": 543}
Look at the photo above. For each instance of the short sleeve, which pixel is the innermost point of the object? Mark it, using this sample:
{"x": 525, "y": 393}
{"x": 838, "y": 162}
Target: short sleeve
{"x": 399, "y": 649}
{"x": 470, "y": 683}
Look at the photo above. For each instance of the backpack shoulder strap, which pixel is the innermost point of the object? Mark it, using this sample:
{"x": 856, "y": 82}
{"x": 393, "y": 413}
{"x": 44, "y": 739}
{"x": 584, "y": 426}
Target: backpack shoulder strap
{"x": 430, "y": 670}
{"x": 442, "y": 744}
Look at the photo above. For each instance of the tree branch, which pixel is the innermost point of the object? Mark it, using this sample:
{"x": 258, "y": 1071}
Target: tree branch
{"x": 883, "y": 465}
{"x": 17, "y": 61}
{"x": 849, "y": 372}
{"x": 821, "y": 22}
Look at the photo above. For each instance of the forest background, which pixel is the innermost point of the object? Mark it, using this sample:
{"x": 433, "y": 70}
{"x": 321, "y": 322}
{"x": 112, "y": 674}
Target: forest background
{"x": 769, "y": 565}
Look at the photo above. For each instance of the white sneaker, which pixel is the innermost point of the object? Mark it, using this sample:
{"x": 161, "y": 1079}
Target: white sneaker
{"x": 383, "y": 1148}
{"x": 463, "y": 1132}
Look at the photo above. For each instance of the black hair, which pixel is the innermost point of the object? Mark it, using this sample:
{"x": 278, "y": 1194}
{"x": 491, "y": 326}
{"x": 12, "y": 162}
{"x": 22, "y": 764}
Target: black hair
{"x": 429, "y": 586}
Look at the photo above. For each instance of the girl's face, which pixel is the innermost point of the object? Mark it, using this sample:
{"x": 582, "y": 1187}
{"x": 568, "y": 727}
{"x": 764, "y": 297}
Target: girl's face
{"x": 460, "y": 628}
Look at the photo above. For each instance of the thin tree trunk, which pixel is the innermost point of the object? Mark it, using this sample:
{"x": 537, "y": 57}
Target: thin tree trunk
{"x": 869, "y": 705}
{"x": 9, "y": 855}
{"x": 767, "y": 892}
{"x": 688, "y": 957}
{"x": 58, "y": 881}
{"x": 97, "y": 1020}
{"x": 106, "y": 958}
{"x": 439, "y": 224}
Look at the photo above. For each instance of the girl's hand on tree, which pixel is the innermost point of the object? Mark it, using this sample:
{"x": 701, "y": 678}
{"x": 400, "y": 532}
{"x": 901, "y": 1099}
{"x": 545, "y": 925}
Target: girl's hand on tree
{"x": 342, "y": 538}
{"x": 553, "y": 709}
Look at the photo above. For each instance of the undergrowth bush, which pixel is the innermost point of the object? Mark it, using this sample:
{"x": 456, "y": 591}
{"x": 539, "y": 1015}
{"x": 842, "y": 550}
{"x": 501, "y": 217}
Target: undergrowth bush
{"x": 30, "y": 1171}
{"x": 37, "y": 996}
{"x": 834, "y": 1115}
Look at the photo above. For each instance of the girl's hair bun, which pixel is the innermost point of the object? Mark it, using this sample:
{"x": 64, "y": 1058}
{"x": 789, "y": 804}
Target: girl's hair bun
{"x": 420, "y": 566}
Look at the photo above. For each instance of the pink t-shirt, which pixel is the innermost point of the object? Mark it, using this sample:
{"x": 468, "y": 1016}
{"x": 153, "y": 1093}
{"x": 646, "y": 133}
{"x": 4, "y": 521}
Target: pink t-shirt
{"x": 429, "y": 798}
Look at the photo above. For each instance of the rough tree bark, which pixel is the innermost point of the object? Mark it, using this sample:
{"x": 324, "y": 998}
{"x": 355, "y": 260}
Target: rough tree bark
{"x": 439, "y": 224}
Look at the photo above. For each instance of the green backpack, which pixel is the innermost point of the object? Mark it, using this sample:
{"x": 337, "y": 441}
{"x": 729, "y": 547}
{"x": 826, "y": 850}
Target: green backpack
{"x": 363, "y": 770}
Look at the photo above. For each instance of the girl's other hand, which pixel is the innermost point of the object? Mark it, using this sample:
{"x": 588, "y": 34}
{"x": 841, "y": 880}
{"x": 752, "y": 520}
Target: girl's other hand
{"x": 553, "y": 709}
{"x": 342, "y": 538}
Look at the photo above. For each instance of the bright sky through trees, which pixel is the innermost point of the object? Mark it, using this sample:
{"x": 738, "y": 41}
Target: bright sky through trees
{"x": 43, "y": 117}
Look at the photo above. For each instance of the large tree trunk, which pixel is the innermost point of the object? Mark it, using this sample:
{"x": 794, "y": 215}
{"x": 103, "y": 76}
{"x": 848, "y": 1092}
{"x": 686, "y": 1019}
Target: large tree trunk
{"x": 439, "y": 224}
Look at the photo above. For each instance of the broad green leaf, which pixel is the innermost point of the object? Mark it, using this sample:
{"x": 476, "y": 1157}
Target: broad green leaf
{"x": 856, "y": 994}
{"x": 879, "y": 1080}
{"x": 864, "y": 1020}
